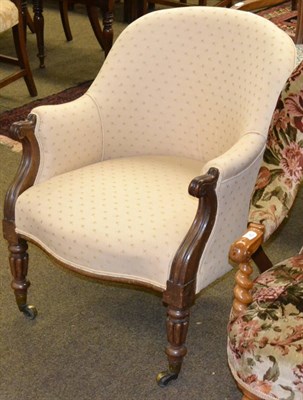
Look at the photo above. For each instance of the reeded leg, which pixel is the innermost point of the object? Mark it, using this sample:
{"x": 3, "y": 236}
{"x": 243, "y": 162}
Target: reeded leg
{"x": 177, "y": 326}
{"x": 181, "y": 286}
{"x": 18, "y": 260}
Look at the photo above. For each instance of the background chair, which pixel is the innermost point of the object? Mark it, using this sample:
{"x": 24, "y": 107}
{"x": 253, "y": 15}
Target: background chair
{"x": 102, "y": 185}
{"x": 253, "y": 5}
{"x": 104, "y": 34}
{"x": 11, "y": 18}
{"x": 265, "y": 337}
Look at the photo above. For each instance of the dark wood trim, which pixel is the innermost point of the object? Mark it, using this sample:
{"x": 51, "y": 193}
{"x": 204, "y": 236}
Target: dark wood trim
{"x": 181, "y": 286}
{"x": 23, "y": 132}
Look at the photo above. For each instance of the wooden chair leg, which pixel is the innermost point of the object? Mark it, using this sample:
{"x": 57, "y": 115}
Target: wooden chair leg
{"x": 299, "y": 28}
{"x": 20, "y": 45}
{"x": 64, "y": 6}
{"x": 39, "y": 29}
{"x": 181, "y": 286}
{"x": 19, "y": 265}
{"x": 107, "y": 33}
{"x": 93, "y": 15}
{"x": 177, "y": 324}
{"x": 30, "y": 22}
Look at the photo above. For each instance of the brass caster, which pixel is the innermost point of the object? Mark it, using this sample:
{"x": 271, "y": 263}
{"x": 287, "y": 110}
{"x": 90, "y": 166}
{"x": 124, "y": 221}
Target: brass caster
{"x": 29, "y": 311}
{"x": 165, "y": 377}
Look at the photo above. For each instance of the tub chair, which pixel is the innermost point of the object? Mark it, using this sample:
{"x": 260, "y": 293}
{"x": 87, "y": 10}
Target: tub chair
{"x": 146, "y": 178}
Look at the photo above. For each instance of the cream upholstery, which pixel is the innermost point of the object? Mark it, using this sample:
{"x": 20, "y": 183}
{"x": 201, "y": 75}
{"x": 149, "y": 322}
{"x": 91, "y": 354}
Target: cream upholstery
{"x": 132, "y": 241}
{"x": 181, "y": 91}
{"x": 8, "y": 15}
{"x": 214, "y": 110}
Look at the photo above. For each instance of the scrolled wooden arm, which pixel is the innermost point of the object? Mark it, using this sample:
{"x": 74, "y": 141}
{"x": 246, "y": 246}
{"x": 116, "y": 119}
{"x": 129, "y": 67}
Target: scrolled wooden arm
{"x": 202, "y": 184}
{"x": 182, "y": 281}
{"x": 240, "y": 253}
{"x": 22, "y": 131}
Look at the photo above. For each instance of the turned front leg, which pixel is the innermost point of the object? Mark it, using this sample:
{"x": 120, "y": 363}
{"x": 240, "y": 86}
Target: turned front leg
{"x": 177, "y": 326}
{"x": 18, "y": 260}
{"x": 177, "y": 323}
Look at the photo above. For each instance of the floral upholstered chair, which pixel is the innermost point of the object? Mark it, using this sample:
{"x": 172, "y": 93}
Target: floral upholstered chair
{"x": 265, "y": 333}
{"x": 146, "y": 177}
{"x": 11, "y": 18}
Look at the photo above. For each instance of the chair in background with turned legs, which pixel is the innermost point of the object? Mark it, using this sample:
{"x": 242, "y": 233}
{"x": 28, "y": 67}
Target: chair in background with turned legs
{"x": 11, "y": 18}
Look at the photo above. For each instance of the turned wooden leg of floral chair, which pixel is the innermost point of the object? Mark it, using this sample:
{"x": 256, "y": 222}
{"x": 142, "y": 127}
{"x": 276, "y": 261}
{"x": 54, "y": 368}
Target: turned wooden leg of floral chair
{"x": 265, "y": 333}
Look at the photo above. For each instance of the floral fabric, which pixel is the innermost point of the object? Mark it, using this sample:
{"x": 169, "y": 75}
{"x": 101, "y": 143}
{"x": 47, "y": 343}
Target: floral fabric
{"x": 282, "y": 169}
{"x": 265, "y": 343}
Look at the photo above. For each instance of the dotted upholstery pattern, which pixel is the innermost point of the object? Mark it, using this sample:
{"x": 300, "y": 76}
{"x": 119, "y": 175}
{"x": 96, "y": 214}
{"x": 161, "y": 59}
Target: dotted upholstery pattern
{"x": 119, "y": 223}
{"x": 9, "y": 16}
{"x": 194, "y": 85}
{"x": 70, "y": 136}
{"x": 213, "y": 68}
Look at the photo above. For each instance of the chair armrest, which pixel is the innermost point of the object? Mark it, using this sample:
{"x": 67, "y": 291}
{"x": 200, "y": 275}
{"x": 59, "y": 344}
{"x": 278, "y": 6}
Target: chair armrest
{"x": 240, "y": 253}
{"x": 69, "y": 136}
{"x": 241, "y": 156}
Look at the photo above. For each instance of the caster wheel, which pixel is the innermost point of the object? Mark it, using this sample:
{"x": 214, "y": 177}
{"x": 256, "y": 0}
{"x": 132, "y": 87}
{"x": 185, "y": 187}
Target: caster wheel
{"x": 165, "y": 377}
{"x": 30, "y": 312}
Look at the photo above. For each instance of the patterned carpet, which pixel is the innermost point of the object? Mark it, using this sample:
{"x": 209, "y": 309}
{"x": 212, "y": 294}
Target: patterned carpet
{"x": 20, "y": 113}
{"x": 283, "y": 17}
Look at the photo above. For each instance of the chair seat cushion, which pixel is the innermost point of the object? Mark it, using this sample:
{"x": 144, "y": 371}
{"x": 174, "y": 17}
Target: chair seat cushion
{"x": 265, "y": 343}
{"x": 123, "y": 218}
{"x": 8, "y": 15}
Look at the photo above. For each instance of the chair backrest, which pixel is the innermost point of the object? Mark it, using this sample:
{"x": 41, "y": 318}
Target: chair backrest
{"x": 180, "y": 82}
{"x": 282, "y": 169}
